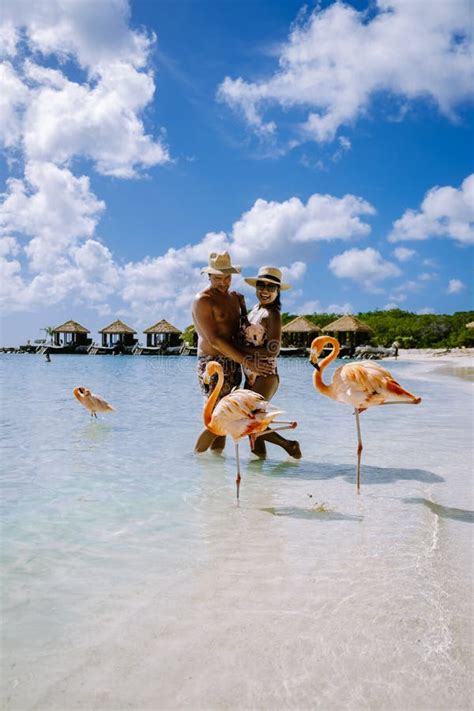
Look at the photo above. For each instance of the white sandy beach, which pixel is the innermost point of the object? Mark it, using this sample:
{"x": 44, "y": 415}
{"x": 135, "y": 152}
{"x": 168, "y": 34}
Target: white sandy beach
{"x": 432, "y": 355}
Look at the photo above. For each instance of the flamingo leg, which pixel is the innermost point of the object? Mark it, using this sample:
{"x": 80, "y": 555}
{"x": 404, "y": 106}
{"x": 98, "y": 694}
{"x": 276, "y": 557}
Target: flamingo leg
{"x": 291, "y": 426}
{"x": 359, "y": 449}
{"x": 237, "y": 481}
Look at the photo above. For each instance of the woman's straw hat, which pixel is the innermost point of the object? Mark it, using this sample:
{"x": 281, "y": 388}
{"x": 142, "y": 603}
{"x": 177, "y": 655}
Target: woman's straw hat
{"x": 271, "y": 275}
{"x": 220, "y": 264}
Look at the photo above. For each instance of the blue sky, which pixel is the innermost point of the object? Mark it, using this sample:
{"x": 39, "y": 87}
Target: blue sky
{"x": 332, "y": 140}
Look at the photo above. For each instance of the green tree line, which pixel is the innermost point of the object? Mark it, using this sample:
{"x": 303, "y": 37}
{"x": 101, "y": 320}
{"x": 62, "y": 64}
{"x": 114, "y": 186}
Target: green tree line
{"x": 409, "y": 329}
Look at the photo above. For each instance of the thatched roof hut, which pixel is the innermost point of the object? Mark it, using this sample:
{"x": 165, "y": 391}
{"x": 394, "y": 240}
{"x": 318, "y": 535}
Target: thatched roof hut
{"x": 350, "y": 330}
{"x": 470, "y": 325}
{"x": 74, "y": 334}
{"x": 347, "y": 324}
{"x": 118, "y": 333}
{"x": 299, "y": 332}
{"x": 162, "y": 333}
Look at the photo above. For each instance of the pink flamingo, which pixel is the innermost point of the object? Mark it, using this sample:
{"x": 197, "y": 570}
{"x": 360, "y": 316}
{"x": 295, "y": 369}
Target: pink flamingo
{"x": 361, "y": 385}
{"x": 93, "y": 403}
{"x": 241, "y": 413}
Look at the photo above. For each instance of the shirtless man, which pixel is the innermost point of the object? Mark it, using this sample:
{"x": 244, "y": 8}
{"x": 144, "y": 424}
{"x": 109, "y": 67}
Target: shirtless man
{"x": 217, "y": 316}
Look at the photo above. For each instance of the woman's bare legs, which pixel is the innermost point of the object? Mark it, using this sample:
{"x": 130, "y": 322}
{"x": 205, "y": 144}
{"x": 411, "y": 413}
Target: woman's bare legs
{"x": 207, "y": 439}
{"x": 267, "y": 386}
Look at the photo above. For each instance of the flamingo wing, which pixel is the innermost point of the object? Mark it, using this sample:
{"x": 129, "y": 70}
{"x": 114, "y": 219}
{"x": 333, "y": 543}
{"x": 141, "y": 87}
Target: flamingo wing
{"x": 365, "y": 384}
{"x": 99, "y": 404}
{"x": 242, "y": 412}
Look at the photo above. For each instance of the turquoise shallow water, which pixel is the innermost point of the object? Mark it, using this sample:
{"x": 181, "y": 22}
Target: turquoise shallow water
{"x": 132, "y": 580}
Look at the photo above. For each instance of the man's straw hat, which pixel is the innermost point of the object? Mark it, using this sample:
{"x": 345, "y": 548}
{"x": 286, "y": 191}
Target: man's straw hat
{"x": 271, "y": 275}
{"x": 220, "y": 264}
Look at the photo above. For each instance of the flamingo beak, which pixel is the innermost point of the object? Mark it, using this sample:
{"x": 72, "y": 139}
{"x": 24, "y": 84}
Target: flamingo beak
{"x": 313, "y": 359}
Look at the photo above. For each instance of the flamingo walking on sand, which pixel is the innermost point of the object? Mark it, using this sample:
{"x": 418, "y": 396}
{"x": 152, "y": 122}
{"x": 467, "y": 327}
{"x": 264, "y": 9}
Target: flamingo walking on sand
{"x": 361, "y": 385}
{"x": 93, "y": 403}
{"x": 241, "y": 413}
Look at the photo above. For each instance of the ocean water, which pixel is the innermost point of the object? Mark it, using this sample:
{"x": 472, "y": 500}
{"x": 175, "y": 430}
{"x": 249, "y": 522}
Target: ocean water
{"x": 132, "y": 580}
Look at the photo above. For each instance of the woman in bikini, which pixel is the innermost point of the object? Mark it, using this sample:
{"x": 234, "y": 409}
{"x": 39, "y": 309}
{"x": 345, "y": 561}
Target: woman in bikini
{"x": 264, "y": 335}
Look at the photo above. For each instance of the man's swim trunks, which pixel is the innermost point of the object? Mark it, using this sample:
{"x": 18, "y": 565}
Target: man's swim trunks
{"x": 232, "y": 375}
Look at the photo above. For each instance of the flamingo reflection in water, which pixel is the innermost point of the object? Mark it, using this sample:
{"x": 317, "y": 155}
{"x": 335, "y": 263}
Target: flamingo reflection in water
{"x": 240, "y": 414}
{"x": 361, "y": 385}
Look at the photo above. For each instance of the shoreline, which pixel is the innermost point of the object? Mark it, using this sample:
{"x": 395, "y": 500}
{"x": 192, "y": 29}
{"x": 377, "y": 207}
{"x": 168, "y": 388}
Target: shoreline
{"x": 456, "y": 362}
{"x": 454, "y": 356}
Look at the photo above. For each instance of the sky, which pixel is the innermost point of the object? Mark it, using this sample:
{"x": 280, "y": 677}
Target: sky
{"x": 333, "y": 140}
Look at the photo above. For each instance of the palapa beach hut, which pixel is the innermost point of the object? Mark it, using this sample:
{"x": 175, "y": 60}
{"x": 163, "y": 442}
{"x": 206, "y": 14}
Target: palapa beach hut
{"x": 299, "y": 332}
{"x": 349, "y": 331}
{"x": 162, "y": 334}
{"x": 118, "y": 334}
{"x": 71, "y": 335}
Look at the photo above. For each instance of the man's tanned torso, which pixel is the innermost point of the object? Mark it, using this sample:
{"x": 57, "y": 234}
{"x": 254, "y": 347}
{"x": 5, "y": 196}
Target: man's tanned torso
{"x": 225, "y": 310}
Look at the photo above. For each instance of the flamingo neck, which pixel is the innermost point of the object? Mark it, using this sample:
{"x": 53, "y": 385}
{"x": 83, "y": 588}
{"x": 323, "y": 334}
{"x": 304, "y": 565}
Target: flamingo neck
{"x": 212, "y": 399}
{"x": 318, "y": 374}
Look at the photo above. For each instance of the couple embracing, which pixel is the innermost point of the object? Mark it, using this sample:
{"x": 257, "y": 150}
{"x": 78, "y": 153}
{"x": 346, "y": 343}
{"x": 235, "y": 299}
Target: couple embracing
{"x": 240, "y": 341}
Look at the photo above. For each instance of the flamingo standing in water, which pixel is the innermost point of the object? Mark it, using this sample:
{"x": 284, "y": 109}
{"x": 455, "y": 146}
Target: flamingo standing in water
{"x": 241, "y": 413}
{"x": 361, "y": 385}
{"x": 93, "y": 403}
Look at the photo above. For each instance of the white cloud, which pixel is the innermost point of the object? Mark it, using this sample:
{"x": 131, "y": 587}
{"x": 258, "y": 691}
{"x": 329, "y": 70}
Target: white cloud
{"x": 64, "y": 119}
{"x": 346, "y": 308}
{"x": 335, "y": 61}
{"x": 397, "y": 298}
{"x": 93, "y": 33}
{"x": 314, "y": 307}
{"x": 13, "y": 97}
{"x": 444, "y": 212}
{"x": 425, "y": 311}
{"x": 268, "y": 233}
{"x": 365, "y": 266}
{"x": 309, "y": 307}
{"x": 53, "y": 215}
{"x": 89, "y": 108}
{"x": 294, "y": 272}
{"x": 270, "y": 226}
{"x": 391, "y": 305}
{"x": 52, "y": 208}
{"x": 403, "y": 254}
{"x": 455, "y": 286}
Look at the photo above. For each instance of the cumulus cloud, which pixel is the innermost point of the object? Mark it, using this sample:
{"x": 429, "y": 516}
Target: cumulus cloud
{"x": 99, "y": 121}
{"x": 425, "y": 311}
{"x": 75, "y": 81}
{"x": 268, "y": 233}
{"x": 13, "y": 98}
{"x": 455, "y": 286}
{"x": 444, "y": 212}
{"x": 271, "y": 225}
{"x": 346, "y": 308}
{"x": 364, "y": 266}
{"x": 397, "y": 297}
{"x": 337, "y": 59}
{"x": 93, "y": 33}
{"x": 52, "y": 209}
{"x": 314, "y": 307}
{"x": 403, "y": 254}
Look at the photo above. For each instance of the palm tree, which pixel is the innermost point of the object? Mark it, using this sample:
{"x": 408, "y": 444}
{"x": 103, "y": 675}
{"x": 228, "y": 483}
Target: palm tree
{"x": 48, "y": 332}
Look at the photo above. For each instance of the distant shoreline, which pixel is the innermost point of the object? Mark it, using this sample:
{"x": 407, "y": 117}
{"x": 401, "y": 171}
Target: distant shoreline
{"x": 436, "y": 355}
{"x": 429, "y": 355}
